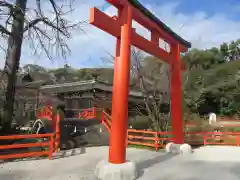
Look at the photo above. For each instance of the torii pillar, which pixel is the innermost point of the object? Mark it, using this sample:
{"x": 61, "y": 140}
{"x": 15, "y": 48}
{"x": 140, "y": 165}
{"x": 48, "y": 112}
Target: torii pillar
{"x": 117, "y": 168}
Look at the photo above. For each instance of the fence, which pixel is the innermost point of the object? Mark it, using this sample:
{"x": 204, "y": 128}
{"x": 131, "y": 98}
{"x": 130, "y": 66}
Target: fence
{"x": 53, "y": 141}
{"x": 160, "y": 139}
{"x": 213, "y": 138}
{"x": 88, "y": 113}
{"x": 49, "y": 144}
{"x": 148, "y": 138}
{"x": 222, "y": 138}
{"x": 152, "y": 139}
{"x": 45, "y": 112}
{"x": 106, "y": 120}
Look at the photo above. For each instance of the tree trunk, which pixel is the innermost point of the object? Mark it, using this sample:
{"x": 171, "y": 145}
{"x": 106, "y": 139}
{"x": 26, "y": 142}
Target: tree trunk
{"x": 13, "y": 59}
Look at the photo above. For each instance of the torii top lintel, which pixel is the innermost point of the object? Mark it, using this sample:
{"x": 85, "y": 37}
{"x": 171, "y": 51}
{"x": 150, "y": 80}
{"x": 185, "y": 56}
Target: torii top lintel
{"x": 153, "y": 18}
{"x": 144, "y": 17}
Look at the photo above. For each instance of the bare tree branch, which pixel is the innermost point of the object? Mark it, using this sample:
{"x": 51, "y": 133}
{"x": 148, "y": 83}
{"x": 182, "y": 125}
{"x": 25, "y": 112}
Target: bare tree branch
{"x": 33, "y": 23}
{"x": 46, "y": 31}
{"x": 152, "y": 96}
{"x": 3, "y": 30}
{"x": 4, "y": 3}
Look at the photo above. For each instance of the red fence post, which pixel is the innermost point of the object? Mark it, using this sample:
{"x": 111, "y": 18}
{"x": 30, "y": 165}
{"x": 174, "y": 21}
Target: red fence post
{"x": 57, "y": 140}
{"x": 204, "y": 140}
{"x": 94, "y": 112}
{"x": 102, "y": 117}
{"x": 127, "y": 139}
{"x": 237, "y": 140}
{"x": 51, "y": 145}
{"x": 156, "y": 141}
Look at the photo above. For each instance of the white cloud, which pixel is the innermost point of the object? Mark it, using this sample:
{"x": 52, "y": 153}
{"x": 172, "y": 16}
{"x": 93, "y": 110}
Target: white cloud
{"x": 202, "y": 30}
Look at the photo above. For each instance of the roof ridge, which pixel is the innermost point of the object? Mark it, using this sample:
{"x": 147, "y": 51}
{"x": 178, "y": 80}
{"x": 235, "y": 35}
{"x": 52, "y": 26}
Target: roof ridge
{"x": 69, "y": 84}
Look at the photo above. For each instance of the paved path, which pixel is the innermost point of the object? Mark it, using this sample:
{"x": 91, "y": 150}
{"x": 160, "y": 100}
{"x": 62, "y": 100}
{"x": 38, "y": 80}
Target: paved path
{"x": 206, "y": 163}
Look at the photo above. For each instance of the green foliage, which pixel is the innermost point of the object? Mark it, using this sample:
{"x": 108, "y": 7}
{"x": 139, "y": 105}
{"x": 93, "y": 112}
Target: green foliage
{"x": 211, "y": 83}
{"x": 144, "y": 147}
{"x": 231, "y": 129}
{"x": 139, "y": 122}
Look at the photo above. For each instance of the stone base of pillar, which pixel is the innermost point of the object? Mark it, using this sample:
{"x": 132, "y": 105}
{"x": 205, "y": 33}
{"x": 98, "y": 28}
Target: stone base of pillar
{"x": 108, "y": 171}
{"x": 178, "y": 148}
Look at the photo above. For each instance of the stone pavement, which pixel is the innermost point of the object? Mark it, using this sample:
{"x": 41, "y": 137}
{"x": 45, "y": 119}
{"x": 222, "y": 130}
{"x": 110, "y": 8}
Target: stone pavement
{"x": 206, "y": 163}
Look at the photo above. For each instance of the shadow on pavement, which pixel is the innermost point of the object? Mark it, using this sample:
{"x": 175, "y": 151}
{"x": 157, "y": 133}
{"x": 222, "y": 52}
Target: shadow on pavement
{"x": 153, "y": 161}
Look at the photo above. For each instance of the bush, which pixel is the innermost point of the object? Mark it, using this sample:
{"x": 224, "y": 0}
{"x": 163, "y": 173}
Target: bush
{"x": 139, "y": 122}
{"x": 231, "y": 129}
{"x": 197, "y": 139}
{"x": 194, "y": 119}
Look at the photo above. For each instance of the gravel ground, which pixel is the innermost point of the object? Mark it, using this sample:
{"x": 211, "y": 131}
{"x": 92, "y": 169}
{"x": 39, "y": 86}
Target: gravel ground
{"x": 206, "y": 163}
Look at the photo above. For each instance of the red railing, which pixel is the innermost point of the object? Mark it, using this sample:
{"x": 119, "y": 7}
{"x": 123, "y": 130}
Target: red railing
{"x": 106, "y": 120}
{"x": 53, "y": 142}
{"x": 159, "y": 139}
{"x": 49, "y": 144}
{"x": 213, "y": 138}
{"x": 231, "y": 124}
{"x": 45, "y": 112}
{"x": 222, "y": 138}
{"x": 88, "y": 113}
{"x": 148, "y": 138}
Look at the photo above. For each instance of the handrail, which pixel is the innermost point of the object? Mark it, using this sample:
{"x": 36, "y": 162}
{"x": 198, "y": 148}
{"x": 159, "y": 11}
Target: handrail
{"x": 88, "y": 113}
{"x": 153, "y": 141}
{"x": 214, "y": 133}
{"x": 106, "y": 121}
{"x": 157, "y": 139}
{"x": 10, "y": 137}
{"x": 49, "y": 144}
{"x": 107, "y": 114}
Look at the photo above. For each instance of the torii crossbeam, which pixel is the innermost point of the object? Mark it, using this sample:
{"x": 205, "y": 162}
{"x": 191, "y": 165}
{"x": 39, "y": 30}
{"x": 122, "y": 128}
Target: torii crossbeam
{"x": 120, "y": 26}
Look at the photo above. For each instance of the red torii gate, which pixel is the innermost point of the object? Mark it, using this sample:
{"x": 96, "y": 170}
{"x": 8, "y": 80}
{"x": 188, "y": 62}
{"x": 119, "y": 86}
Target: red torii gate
{"x": 121, "y": 28}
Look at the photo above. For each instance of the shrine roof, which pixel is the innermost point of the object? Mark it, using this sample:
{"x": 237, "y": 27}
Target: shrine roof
{"x": 31, "y": 85}
{"x": 155, "y": 19}
{"x": 83, "y": 86}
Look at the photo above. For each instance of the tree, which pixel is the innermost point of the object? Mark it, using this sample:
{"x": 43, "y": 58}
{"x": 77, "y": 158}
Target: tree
{"x": 33, "y": 68}
{"x": 225, "y": 50}
{"x": 212, "y": 89}
{"x": 234, "y": 50}
{"x": 231, "y": 52}
{"x": 47, "y": 33}
{"x": 152, "y": 77}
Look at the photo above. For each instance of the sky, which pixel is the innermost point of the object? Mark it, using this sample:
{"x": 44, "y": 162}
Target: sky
{"x": 204, "y": 23}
